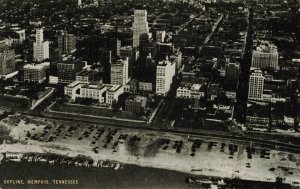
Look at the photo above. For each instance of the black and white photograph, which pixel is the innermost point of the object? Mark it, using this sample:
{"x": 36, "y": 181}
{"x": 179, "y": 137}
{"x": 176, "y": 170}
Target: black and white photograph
{"x": 149, "y": 94}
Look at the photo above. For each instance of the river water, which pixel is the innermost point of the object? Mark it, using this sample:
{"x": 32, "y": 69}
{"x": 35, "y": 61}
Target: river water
{"x": 130, "y": 177}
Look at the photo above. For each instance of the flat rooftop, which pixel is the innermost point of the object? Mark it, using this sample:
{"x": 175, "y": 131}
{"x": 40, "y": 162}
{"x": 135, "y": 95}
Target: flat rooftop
{"x": 37, "y": 66}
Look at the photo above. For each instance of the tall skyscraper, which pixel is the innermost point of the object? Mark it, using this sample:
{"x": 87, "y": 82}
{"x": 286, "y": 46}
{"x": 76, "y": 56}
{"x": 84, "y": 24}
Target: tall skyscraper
{"x": 66, "y": 43}
{"x": 7, "y": 60}
{"x": 79, "y": 3}
{"x": 119, "y": 72}
{"x": 139, "y": 26}
{"x": 265, "y": 56}
{"x": 40, "y": 47}
{"x": 165, "y": 71}
{"x": 256, "y": 85}
{"x": 232, "y": 72}
{"x": 128, "y": 51}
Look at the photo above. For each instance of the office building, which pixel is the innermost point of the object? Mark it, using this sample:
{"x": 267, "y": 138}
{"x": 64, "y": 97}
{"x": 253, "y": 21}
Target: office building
{"x": 145, "y": 86}
{"x": 265, "y": 56}
{"x": 177, "y": 57}
{"x": 195, "y": 91}
{"x": 66, "y": 43}
{"x": 119, "y": 72}
{"x": 93, "y": 91}
{"x": 128, "y": 51}
{"x": 73, "y": 89}
{"x": 105, "y": 93}
{"x": 131, "y": 86}
{"x": 40, "y": 47}
{"x": 113, "y": 92}
{"x": 232, "y": 73}
{"x": 256, "y": 85}
{"x": 20, "y": 32}
{"x": 165, "y": 71}
{"x": 139, "y": 26}
{"x": 165, "y": 48}
{"x": 135, "y": 104}
{"x": 7, "y": 60}
{"x": 105, "y": 57}
{"x": 86, "y": 75}
{"x": 67, "y": 70}
{"x": 36, "y": 72}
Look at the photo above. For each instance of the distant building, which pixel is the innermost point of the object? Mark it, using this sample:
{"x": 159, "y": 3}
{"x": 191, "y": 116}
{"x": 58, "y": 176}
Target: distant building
{"x": 66, "y": 43}
{"x": 36, "y": 72}
{"x": 105, "y": 58}
{"x": 20, "y": 32}
{"x": 160, "y": 36}
{"x": 73, "y": 89}
{"x": 265, "y": 56}
{"x": 232, "y": 74}
{"x": 165, "y": 48}
{"x": 113, "y": 93}
{"x": 127, "y": 51}
{"x": 35, "y": 23}
{"x": 40, "y": 47}
{"x": 165, "y": 71}
{"x": 85, "y": 76}
{"x": 213, "y": 91}
{"x": 105, "y": 93}
{"x": 67, "y": 70}
{"x": 3, "y": 43}
{"x": 145, "y": 86}
{"x": 115, "y": 46}
{"x": 132, "y": 86}
{"x": 93, "y": 91}
{"x": 135, "y": 104}
{"x": 256, "y": 85}
{"x": 195, "y": 91}
{"x": 258, "y": 115}
{"x": 7, "y": 60}
{"x": 177, "y": 57}
{"x": 150, "y": 61}
{"x": 119, "y": 72}
{"x": 139, "y": 26}
{"x": 53, "y": 79}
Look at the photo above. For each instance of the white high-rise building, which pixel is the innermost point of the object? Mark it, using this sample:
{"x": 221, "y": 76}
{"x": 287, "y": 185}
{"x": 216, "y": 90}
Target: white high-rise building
{"x": 40, "y": 47}
{"x": 139, "y": 26}
{"x": 265, "y": 56}
{"x": 79, "y": 3}
{"x": 165, "y": 71}
{"x": 256, "y": 85}
{"x": 119, "y": 72}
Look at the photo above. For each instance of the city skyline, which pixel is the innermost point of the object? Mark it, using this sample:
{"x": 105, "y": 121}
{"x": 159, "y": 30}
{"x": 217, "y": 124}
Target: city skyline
{"x": 125, "y": 93}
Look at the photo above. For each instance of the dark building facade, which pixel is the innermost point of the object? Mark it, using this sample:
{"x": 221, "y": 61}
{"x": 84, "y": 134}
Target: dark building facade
{"x": 67, "y": 70}
{"x": 66, "y": 43}
{"x": 7, "y": 60}
{"x": 232, "y": 73}
{"x": 135, "y": 104}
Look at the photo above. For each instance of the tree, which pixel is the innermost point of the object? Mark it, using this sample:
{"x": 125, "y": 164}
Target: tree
{"x": 114, "y": 106}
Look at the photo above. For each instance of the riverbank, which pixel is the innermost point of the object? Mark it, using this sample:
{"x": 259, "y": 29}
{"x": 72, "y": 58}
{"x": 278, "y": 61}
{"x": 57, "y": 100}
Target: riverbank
{"x": 213, "y": 157}
{"x": 131, "y": 177}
